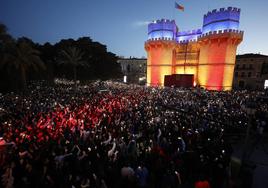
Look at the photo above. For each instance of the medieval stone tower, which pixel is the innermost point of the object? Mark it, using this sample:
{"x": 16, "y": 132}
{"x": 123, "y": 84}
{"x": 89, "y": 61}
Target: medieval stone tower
{"x": 208, "y": 54}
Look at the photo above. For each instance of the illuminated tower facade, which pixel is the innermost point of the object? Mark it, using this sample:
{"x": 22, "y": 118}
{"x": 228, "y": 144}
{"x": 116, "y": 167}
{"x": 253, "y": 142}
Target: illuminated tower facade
{"x": 208, "y": 54}
{"x": 160, "y": 49}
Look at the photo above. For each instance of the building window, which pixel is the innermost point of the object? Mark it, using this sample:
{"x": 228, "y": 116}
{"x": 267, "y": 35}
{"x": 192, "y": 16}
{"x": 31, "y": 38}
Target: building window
{"x": 243, "y": 66}
{"x": 249, "y": 74}
{"x": 242, "y": 74}
{"x": 236, "y": 74}
{"x": 237, "y": 66}
{"x": 250, "y": 66}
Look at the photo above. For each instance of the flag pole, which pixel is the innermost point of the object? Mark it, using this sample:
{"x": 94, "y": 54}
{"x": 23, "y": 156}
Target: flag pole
{"x": 173, "y": 15}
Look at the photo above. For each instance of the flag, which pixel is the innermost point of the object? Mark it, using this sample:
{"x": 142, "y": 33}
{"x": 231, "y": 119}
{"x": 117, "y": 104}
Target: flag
{"x": 179, "y": 7}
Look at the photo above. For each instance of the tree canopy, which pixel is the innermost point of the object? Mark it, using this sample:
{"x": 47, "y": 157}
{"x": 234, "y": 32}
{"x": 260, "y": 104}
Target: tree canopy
{"x": 22, "y": 60}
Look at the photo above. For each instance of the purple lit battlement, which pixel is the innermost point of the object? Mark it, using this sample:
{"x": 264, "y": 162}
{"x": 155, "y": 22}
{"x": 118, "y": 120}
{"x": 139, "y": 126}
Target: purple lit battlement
{"x": 160, "y": 39}
{"x": 223, "y": 10}
{"x": 221, "y": 19}
{"x": 188, "y": 35}
{"x": 163, "y": 28}
{"x": 215, "y": 22}
{"x": 238, "y": 32}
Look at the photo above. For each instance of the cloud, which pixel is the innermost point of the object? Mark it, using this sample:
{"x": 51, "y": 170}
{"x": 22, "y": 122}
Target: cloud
{"x": 137, "y": 24}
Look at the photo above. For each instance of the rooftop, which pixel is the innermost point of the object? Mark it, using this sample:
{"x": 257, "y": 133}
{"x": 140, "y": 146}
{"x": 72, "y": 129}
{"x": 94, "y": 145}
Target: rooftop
{"x": 250, "y": 55}
{"x": 132, "y": 58}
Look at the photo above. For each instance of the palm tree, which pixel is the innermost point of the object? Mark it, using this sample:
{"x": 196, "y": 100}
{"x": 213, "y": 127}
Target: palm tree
{"x": 74, "y": 57}
{"x": 22, "y": 56}
{"x": 6, "y": 41}
{"x": 4, "y": 36}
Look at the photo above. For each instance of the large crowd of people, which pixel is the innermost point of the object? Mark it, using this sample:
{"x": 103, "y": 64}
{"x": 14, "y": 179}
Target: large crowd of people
{"x": 108, "y": 134}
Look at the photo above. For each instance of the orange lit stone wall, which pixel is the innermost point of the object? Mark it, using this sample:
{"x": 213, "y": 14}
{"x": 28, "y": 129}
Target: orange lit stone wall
{"x": 217, "y": 60}
{"x": 160, "y": 61}
{"x": 210, "y": 59}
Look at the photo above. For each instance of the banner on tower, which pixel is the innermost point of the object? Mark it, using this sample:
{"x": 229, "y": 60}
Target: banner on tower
{"x": 179, "y": 7}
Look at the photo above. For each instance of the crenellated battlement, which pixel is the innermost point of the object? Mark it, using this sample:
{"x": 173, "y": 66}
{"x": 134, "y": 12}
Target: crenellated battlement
{"x": 161, "y": 39}
{"x": 171, "y": 40}
{"x": 187, "y": 41}
{"x": 163, "y": 21}
{"x": 163, "y": 24}
{"x": 224, "y": 18}
{"x": 223, "y": 10}
{"x": 163, "y": 42}
{"x": 190, "y": 32}
{"x": 226, "y": 31}
{"x": 188, "y": 36}
{"x": 162, "y": 28}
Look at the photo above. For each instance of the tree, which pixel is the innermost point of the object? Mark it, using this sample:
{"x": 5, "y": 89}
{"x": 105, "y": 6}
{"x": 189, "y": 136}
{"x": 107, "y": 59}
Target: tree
{"x": 19, "y": 60}
{"x": 4, "y": 36}
{"x": 23, "y": 57}
{"x": 48, "y": 54}
{"x": 103, "y": 64}
{"x": 74, "y": 57}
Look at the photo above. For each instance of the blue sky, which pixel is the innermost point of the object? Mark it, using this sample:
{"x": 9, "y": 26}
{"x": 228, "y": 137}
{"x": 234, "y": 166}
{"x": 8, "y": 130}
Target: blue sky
{"x": 121, "y": 24}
